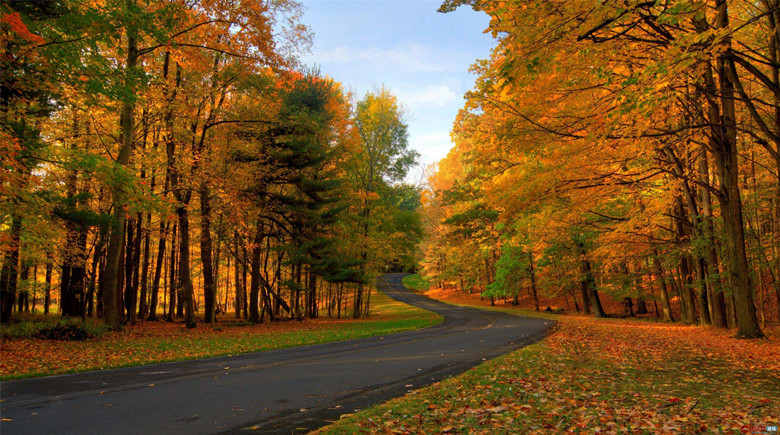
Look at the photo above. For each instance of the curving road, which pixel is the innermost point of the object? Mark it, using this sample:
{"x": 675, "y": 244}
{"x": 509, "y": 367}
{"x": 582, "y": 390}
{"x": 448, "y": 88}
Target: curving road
{"x": 282, "y": 391}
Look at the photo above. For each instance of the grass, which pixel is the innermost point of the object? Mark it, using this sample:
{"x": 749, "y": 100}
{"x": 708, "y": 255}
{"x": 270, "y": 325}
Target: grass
{"x": 416, "y": 283}
{"x": 599, "y": 376}
{"x": 155, "y": 342}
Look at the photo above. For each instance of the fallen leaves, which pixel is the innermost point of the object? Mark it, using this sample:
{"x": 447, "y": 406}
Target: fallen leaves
{"x": 599, "y": 376}
{"x": 152, "y": 342}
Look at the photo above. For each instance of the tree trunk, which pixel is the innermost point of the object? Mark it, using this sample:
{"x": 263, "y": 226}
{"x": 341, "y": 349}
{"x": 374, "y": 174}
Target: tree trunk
{"x": 136, "y": 267}
{"x": 209, "y": 292}
{"x": 127, "y": 119}
{"x": 588, "y": 284}
{"x": 237, "y": 267}
{"x": 185, "y": 273}
{"x": 244, "y": 272}
{"x": 24, "y": 296}
{"x": 158, "y": 271}
{"x": 533, "y": 279}
{"x": 47, "y": 294}
{"x": 716, "y": 299}
{"x": 774, "y": 56}
{"x": 726, "y": 160}
{"x": 143, "y": 307}
{"x": 10, "y": 280}
{"x": 172, "y": 278}
{"x": 254, "y": 291}
{"x": 130, "y": 290}
{"x": 311, "y": 297}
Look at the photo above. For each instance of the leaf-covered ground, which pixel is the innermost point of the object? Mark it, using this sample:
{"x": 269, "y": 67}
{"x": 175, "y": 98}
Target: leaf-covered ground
{"x": 151, "y": 342}
{"x": 600, "y": 376}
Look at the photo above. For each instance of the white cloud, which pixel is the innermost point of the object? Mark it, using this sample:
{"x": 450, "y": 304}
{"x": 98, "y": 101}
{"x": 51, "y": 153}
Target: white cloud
{"x": 410, "y": 58}
{"x": 431, "y": 146}
{"x": 439, "y": 95}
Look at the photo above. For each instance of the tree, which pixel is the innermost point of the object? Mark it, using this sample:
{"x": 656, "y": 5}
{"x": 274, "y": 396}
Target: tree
{"x": 383, "y": 158}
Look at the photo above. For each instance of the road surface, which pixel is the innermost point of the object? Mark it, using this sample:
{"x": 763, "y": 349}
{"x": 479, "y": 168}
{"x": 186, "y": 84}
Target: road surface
{"x": 282, "y": 391}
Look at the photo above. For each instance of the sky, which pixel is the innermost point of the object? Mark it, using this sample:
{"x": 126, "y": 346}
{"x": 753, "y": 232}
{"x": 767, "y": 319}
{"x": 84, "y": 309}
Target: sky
{"x": 420, "y": 55}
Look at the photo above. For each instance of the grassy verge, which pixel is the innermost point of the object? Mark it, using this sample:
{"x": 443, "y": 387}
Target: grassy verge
{"x": 599, "y": 376}
{"x": 154, "y": 342}
{"x": 415, "y": 283}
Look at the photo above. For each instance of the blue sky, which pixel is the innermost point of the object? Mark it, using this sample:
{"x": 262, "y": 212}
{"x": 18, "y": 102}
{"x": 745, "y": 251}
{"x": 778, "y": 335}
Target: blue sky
{"x": 421, "y": 55}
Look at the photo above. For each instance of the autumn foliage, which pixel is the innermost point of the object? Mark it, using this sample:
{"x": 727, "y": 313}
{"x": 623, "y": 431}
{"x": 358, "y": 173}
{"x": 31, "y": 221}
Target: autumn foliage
{"x": 174, "y": 160}
{"x": 619, "y": 149}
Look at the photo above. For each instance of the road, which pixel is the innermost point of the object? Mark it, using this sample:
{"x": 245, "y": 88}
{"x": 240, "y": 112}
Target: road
{"x": 283, "y": 391}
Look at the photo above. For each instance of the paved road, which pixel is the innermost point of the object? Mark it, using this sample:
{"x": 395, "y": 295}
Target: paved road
{"x": 283, "y": 391}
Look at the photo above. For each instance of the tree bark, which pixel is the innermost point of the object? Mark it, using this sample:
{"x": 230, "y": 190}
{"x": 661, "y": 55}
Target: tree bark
{"x": 588, "y": 283}
{"x": 254, "y": 291}
{"x": 47, "y": 294}
{"x": 172, "y": 278}
{"x": 729, "y": 197}
{"x": 665, "y": 305}
{"x": 130, "y": 255}
{"x": 127, "y": 118}
{"x": 185, "y": 273}
{"x": 237, "y": 266}
{"x": 716, "y": 299}
{"x": 533, "y": 279}
{"x": 209, "y": 292}
{"x": 158, "y": 271}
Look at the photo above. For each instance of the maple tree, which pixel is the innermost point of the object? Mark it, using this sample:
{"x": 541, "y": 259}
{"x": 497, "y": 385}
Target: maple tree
{"x": 153, "y": 147}
{"x": 612, "y": 127}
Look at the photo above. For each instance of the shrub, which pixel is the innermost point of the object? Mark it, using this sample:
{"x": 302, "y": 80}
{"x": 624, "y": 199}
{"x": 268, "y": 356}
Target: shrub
{"x": 61, "y": 329}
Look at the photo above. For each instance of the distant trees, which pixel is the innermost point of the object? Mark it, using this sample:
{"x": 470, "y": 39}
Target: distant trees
{"x": 383, "y": 157}
{"x": 165, "y": 160}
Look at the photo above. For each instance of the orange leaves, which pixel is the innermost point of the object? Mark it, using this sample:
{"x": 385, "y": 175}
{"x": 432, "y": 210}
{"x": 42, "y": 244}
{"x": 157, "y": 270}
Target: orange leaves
{"x": 14, "y": 22}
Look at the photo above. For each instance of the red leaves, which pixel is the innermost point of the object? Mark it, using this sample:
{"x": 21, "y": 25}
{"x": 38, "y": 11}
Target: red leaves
{"x": 14, "y": 21}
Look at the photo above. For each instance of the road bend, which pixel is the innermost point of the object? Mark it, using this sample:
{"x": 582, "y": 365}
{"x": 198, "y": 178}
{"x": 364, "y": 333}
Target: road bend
{"x": 282, "y": 391}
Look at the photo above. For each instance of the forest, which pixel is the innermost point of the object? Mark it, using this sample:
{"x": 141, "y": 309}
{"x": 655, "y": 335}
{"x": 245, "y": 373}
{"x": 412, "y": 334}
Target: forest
{"x": 175, "y": 161}
{"x": 178, "y": 184}
{"x": 622, "y": 150}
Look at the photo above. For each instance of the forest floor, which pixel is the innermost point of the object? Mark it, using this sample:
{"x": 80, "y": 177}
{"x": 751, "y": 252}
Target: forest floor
{"x": 155, "y": 342}
{"x": 599, "y": 376}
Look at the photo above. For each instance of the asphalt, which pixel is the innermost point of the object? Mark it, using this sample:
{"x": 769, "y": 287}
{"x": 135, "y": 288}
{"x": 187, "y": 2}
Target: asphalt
{"x": 283, "y": 391}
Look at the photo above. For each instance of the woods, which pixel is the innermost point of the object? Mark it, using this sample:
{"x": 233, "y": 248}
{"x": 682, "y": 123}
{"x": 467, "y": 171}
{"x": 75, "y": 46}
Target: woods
{"x": 173, "y": 160}
{"x": 620, "y": 148}
{"x": 181, "y": 183}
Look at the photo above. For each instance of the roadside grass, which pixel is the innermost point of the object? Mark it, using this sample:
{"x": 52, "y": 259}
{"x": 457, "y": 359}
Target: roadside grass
{"x": 155, "y": 342}
{"x": 415, "y": 283}
{"x": 599, "y": 376}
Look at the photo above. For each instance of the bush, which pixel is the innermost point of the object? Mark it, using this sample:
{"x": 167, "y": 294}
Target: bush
{"x": 62, "y": 329}
{"x": 24, "y": 329}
